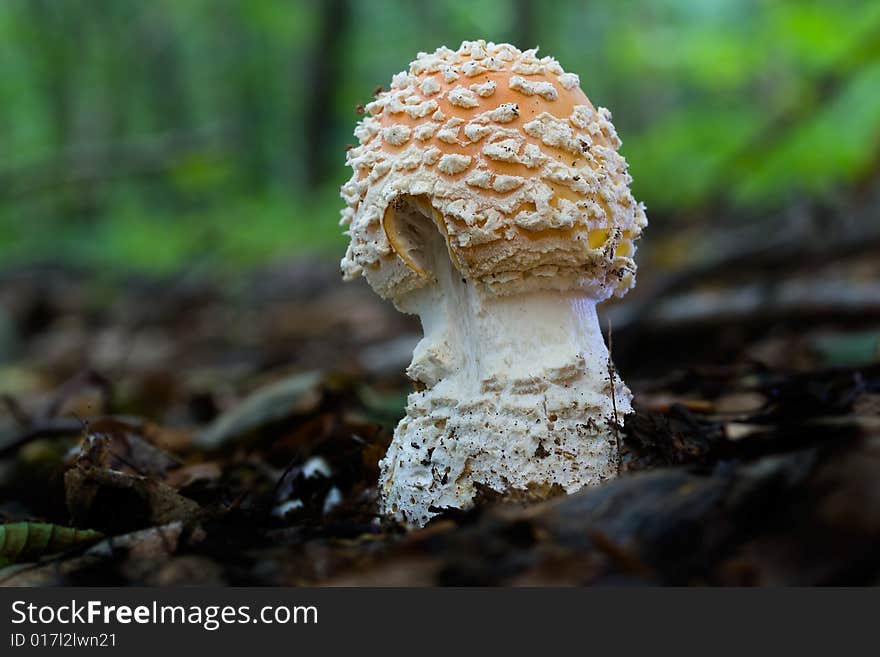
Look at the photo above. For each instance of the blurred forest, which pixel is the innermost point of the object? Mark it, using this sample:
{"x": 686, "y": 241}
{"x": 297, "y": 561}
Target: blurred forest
{"x": 153, "y": 135}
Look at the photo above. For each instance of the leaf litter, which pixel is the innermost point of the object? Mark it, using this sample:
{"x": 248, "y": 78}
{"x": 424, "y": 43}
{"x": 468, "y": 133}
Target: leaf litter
{"x": 239, "y": 444}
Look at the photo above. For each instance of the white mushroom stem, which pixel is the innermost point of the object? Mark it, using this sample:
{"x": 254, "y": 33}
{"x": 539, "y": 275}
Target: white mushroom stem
{"x": 516, "y": 397}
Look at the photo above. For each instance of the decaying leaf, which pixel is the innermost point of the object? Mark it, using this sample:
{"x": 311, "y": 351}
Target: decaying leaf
{"x": 118, "y": 502}
{"x": 148, "y": 543}
{"x": 198, "y": 472}
{"x": 295, "y": 395}
{"x": 133, "y": 554}
{"x": 26, "y": 541}
{"x": 118, "y": 443}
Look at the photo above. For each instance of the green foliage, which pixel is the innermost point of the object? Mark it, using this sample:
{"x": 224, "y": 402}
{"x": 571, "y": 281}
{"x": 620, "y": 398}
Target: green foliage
{"x": 242, "y": 232}
{"x": 156, "y": 134}
{"x": 26, "y": 541}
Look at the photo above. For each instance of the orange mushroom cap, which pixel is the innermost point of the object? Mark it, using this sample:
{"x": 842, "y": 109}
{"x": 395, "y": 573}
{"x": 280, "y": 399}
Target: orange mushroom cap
{"x": 517, "y": 169}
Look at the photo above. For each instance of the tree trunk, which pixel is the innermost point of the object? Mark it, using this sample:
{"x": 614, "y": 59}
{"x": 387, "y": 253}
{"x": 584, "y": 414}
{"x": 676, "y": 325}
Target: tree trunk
{"x": 324, "y": 74}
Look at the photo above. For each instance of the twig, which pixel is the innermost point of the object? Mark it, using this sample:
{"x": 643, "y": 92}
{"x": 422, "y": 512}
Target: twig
{"x": 56, "y": 427}
{"x": 16, "y": 411}
{"x": 614, "y": 398}
{"x": 785, "y": 254}
{"x": 291, "y": 464}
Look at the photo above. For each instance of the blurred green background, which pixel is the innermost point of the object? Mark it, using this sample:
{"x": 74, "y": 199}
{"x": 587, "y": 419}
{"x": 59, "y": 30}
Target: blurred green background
{"x": 168, "y": 133}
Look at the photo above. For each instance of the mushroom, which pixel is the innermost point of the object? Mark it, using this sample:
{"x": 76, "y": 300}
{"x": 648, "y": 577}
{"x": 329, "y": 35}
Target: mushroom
{"x": 489, "y": 197}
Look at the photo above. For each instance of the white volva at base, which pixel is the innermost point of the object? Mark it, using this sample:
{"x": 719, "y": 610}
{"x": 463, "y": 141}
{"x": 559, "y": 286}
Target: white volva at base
{"x": 516, "y": 397}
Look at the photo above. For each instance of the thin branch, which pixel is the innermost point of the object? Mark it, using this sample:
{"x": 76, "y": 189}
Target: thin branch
{"x": 611, "y": 375}
{"x": 56, "y": 427}
{"x": 22, "y": 419}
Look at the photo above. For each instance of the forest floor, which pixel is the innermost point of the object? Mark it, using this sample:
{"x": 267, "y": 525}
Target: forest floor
{"x": 208, "y": 431}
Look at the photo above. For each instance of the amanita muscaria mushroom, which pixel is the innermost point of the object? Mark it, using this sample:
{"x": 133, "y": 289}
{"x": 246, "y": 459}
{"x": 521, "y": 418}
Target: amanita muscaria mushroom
{"x": 489, "y": 198}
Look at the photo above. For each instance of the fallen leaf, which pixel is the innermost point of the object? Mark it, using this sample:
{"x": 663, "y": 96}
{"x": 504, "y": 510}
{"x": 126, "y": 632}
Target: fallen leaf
{"x": 118, "y": 502}
{"x": 295, "y": 395}
{"x": 27, "y": 541}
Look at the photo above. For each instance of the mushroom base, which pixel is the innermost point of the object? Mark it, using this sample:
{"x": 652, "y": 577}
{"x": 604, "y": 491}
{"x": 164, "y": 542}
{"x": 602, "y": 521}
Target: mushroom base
{"x": 444, "y": 456}
{"x": 517, "y": 397}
